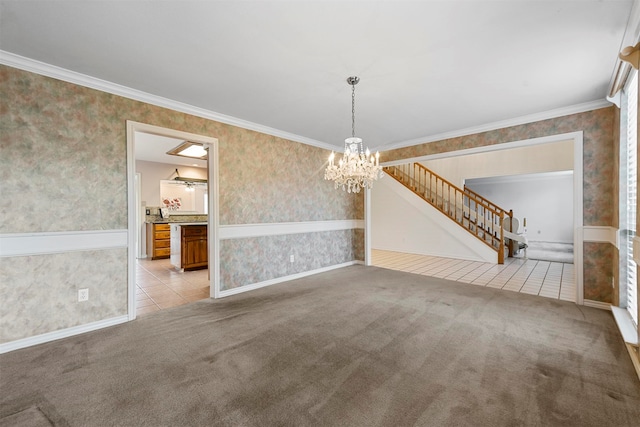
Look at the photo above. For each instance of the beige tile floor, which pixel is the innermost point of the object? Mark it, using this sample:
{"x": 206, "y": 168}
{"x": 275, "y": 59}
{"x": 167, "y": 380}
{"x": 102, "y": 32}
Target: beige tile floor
{"x": 159, "y": 285}
{"x": 543, "y": 278}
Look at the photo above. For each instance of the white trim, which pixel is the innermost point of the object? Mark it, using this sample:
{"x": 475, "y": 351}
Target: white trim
{"x": 578, "y": 214}
{"x": 212, "y": 219}
{"x": 132, "y": 221}
{"x": 525, "y": 177}
{"x": 517, "y": 121}
{"x": 25, "y": 244}
{"x": 601, "y": 234}
{"x": 254, "y": 286}
{"x": 630, "y": 37}
{"x": 62, "y": 333}
{"x": 279, "y": 228}
{"x": 44, "y": 69}
{"x": 367, "y": 227}
{"x": 597, "y": 304}
{"x": 627, "y": 328}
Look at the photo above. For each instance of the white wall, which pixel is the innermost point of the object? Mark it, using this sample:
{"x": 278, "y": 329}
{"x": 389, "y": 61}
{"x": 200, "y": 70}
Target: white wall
{"x": 546, "y": 200}
{"x": 403, "y": 222}
{"x": 550, "y": 157}
{"x": 151, "y": 173}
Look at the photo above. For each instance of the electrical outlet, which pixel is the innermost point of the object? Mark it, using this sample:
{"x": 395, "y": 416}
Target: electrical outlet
{"x": 83, "y": 294}
{"x": 147, "y": 211}
{"x": 292, "y": 258}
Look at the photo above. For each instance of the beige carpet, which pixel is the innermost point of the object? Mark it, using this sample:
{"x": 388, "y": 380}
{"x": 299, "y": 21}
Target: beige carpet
{"x": 358, "y": 346}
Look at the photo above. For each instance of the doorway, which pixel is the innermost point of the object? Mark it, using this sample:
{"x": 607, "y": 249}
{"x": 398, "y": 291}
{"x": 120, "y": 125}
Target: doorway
{"x": 160, "y": 271}
{"x": 574, "y": 139}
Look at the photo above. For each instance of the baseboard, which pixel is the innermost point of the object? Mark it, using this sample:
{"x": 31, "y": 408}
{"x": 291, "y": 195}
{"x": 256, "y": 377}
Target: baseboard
{"x": 628, "y": 329}
{"x": 254, "y": 286}
{"x": 597, "y": 304}
{"x": 63, "y": 333}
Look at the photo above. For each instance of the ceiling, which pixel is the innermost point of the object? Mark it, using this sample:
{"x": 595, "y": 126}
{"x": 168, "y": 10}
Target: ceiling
{"x": 153, "y": 148}
{"x": 427, "y": 68}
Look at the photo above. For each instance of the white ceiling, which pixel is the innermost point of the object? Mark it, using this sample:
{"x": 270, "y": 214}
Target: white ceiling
{"x": 426, "y": 67}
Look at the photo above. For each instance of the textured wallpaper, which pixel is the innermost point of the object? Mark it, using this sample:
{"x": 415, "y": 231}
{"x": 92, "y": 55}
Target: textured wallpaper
{"x": 264, "y": 179}
{"x": 256, "y": 259}
{"x": 39, "y": 294}
{"x": 63, "y": 160}
{"x": 600, "y": 261}
{"x": 63, "y": 168}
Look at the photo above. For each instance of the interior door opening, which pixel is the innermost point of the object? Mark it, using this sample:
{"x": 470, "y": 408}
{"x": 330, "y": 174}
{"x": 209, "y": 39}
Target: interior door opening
{"x": 170, "y": 195}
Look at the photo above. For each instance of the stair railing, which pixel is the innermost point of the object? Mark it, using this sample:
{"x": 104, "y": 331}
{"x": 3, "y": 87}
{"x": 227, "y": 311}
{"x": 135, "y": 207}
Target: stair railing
{"x": 478, "y": 216}
{"x": 488, "y": 202}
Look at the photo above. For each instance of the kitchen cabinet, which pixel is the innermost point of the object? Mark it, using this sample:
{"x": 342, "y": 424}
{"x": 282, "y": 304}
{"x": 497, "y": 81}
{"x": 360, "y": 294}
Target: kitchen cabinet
{"x": 189, "y": 249}
{"x": 158, "y": 241}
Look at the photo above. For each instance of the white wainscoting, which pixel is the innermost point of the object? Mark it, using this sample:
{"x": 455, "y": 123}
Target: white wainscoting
{"x": 279, "y": 228}
{"x": 25, "y": 244}
{"x": 601, "y": 234}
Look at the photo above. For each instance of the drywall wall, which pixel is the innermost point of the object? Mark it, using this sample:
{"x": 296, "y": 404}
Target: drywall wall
{"x": 403, "y": 222}
{"x": 551, "y": 157}
{"x": 545, "y": 200}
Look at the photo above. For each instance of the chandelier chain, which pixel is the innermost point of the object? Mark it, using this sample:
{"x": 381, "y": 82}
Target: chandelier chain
{"x": 353, "y": 110}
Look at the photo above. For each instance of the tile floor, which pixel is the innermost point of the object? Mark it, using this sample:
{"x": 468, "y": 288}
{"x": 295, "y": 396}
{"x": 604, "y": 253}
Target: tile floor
{"x": 159, "y": 285}
{"x": 543, "y": 278}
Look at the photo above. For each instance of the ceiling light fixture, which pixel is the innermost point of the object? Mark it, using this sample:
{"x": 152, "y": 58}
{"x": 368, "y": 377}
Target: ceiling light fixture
{"x": 189, "y": 149}
{"x": 358, "y": 168}
{"x": 185, "y": 179}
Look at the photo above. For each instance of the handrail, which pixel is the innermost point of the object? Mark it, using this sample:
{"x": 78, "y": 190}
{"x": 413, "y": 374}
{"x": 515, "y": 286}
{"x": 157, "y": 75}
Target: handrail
{"x": 488, "y": 202}
{"x": 477, "y": 215}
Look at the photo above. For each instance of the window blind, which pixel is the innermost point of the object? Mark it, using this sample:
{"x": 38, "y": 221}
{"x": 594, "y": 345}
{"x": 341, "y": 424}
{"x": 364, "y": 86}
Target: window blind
{"x": 632, "y": 180}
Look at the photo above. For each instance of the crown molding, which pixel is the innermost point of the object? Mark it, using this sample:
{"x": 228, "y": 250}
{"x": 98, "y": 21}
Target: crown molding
{"x": 48, "y": 70}
{"x": 530, "y": 118}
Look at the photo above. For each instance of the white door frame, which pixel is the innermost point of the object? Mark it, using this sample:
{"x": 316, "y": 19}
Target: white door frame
{"x": 212, "y": 219}
{"x": 578, "y": 177}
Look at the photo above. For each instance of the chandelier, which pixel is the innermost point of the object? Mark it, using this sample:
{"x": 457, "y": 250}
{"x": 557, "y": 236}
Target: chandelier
{"x": 358, "y": 168}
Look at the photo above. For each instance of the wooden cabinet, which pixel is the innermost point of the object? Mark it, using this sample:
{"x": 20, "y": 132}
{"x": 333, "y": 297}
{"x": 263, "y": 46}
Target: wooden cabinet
{"x": 189, "y": 249}
{"x": 194, "y": 247}
{"x": 158, "y": 241}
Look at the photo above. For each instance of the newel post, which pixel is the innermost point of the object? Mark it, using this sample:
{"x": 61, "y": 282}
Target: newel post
{"x": 501, "y": 249}
{"x": 511, "y": 242}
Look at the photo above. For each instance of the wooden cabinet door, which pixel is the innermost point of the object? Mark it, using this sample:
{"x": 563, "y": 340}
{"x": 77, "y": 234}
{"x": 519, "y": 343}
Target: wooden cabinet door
{"x": 194, "y": 253}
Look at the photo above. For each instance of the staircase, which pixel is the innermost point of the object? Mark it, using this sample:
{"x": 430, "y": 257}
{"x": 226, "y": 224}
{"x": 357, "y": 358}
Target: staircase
{"x": 479, "y": 216}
